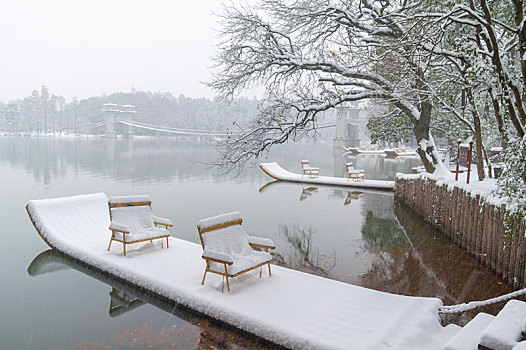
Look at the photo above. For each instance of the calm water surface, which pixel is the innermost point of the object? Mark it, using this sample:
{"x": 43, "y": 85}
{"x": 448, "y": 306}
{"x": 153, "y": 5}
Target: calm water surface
{"x": 360, "y": 237}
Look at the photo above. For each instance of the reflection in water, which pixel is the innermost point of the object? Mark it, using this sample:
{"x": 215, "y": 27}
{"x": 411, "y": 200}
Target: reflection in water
{"x": 382, "y": 232}
{"x": 199, "y": 332}
{"x": 352, "y": 195}
{"x": 121, "y": 302}
{"x": 159, "y": 160}
{"x": 303, "y": 257}
{"x": 139, "y": 160}
{"x": 307, "y": 191}
{"x": 413, "y": 259}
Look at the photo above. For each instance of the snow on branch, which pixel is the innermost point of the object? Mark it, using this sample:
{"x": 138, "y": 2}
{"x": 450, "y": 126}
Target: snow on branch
{"x": 314, "y": 55}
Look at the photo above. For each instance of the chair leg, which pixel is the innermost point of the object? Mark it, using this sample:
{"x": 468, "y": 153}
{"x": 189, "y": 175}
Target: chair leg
{"x": 226, "y": 276}
{"x": 111, "y": 240}
{"x": 124, "y": 248}
{"x": 269, "y": 273}
{"x": 204, "y": 276}
{"x": 167, "y": 242}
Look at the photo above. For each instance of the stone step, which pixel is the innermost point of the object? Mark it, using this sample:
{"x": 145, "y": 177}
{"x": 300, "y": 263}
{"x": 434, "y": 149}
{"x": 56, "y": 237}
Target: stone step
{"x": 468, "y": 337}
{"x": 504, "y": 332}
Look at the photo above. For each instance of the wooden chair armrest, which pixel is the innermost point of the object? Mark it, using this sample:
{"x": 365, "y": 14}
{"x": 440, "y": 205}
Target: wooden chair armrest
{"x": 218, "y": 257}
{"x": 262, "y": 246}
{"x": 162, "y": 221}
{"x": 123, "y": 232}
{"x": 218, "y": 261}
{"x": 119, "y": 228}
{"x": 260, "y": 242}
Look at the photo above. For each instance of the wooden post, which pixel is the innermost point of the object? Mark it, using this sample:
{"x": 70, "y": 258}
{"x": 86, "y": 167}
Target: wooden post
{"x": 476, "y": 228}
{"x": 469, "y": 158}
{"x": 471, "y": 223}
{"x": 458, "y": 156}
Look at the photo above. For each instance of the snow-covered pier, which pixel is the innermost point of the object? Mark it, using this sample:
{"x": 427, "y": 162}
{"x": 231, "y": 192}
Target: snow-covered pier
{"x": 275, "y": 171}
{"x": 291, "y": 308}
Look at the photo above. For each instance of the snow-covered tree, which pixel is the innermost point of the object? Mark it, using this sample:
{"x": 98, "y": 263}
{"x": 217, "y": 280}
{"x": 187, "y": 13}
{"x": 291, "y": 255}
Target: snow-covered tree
{"x": 512, "y": 184}
{"x": 315, "y": 55}
{"x": 487, "y": 37}
{"x": 44, "y": 100}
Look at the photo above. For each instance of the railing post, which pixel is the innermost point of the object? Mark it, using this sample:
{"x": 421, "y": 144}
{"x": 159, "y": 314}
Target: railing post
{"x": 458, "y": 156}
{"x": 469, "y": 158}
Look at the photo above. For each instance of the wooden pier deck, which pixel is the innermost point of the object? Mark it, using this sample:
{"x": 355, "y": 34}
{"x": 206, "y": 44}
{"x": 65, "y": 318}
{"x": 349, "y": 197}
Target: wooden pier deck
{"x": 275, "y": 171}
{"x": 291, "y": 308}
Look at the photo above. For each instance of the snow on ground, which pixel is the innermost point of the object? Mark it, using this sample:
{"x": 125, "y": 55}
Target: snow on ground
{"x": 475, "y": 187}
{"x": 468, "y": 338}
{"x": 505, "y": 330}
{"x": 291, "y": 308}
{"x": 275, "y": 171}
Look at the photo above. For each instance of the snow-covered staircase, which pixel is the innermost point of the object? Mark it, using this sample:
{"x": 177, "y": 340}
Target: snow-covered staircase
{"x": 468, "y": 337}
{"x": 485, "y": 332}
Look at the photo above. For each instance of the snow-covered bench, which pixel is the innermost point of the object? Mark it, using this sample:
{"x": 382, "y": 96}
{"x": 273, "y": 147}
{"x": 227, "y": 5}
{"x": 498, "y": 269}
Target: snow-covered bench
{"x": 132, "y": 221}
{"x": 354, "y": 174}
{"x": 309, "y": 170}
{"x": 228, "y": 250}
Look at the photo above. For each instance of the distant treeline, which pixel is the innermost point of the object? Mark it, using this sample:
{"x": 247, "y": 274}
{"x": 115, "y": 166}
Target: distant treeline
{"x": 43, "y": 112}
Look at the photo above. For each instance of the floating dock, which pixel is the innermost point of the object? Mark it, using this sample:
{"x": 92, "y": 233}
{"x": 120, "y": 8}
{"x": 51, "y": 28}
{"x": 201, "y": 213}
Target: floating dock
{"x": 291, "y": 308}
{"x": 275, "y": 171}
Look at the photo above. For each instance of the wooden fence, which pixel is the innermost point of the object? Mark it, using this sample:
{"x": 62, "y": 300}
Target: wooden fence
{"x": 469, "y": 223}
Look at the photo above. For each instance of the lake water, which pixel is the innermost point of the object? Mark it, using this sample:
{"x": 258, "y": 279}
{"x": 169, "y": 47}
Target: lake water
{"x": 360, "y": 237}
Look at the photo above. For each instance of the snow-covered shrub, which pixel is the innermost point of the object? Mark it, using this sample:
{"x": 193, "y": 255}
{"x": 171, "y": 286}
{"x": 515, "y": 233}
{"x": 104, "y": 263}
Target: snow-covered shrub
{"x": 512, "y": 184}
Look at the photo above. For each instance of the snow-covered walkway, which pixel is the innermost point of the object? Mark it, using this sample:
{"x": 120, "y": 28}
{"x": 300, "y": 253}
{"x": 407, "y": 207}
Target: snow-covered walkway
{"x": 291, "y": 308}
{"x": 275, "y": 171}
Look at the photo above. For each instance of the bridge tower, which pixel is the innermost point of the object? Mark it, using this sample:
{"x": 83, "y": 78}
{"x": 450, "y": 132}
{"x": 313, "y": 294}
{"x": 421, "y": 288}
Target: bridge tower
{"x": 340, "y": 139}
{"x": 341, "y": 134}
{"x": 353, "y": 128}
{"x": 128, "y": 113}
{"x": 109, "y": 112}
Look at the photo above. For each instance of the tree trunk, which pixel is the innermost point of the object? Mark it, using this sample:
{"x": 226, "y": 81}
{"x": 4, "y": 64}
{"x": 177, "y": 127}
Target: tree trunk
{"x": 478, "y": 135}
{"x": 421, "y": 130}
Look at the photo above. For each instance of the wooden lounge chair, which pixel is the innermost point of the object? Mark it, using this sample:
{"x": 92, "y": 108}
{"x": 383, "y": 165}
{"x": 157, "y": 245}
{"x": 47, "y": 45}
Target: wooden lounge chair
{"x": 228, "y": 250}
{"x": 132, "y": 221}
{"x": 354, "y": 174}
{"x": 308, "y": 170}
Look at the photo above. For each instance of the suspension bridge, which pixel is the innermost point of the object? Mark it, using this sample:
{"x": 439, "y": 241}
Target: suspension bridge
{"x": 125, "y": 115}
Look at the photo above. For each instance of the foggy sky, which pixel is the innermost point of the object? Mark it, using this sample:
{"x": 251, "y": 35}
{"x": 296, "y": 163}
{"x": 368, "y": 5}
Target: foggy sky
{"x": 86, "y": 48}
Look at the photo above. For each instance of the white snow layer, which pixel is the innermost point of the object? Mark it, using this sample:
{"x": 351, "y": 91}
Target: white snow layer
{"x": 291, "y": 308}
{"x": 219, "y": 219}
{"x": 483, "y": 188}
{"x": 129, "y": 199}
{"x": 504, "y": 332}
{"x": 468, "y": 337}
{"x": 275, "y": 171}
